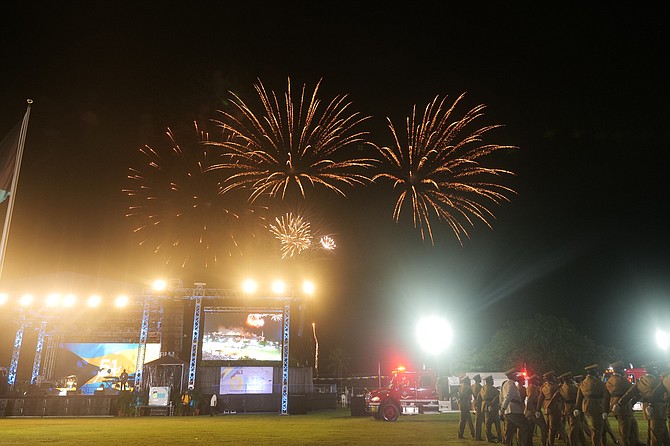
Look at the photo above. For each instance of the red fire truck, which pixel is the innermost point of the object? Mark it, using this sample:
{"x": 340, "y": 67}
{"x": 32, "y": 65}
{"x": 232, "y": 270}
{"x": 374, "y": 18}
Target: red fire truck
{"x": 408, "y": 393}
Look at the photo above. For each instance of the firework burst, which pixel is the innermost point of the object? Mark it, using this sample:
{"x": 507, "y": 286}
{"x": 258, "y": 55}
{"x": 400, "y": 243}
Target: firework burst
{"x": 438, "y": 172}
{"x": 292, "y": 144}
{"x": 327, "y": 243}
{"x": 294, "y": 234}
{"x": 176, "y": 206}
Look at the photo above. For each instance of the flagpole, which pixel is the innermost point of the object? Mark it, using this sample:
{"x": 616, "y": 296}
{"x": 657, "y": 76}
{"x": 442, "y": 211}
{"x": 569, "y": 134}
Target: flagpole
{"x": 15, "y": 181}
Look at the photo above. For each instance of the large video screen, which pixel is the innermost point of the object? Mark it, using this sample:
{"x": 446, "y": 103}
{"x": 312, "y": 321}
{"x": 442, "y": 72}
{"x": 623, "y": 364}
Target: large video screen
{"x": 242, "y": 334}
{"x": 245, "y": 380}
{"x": 95, "y": 366}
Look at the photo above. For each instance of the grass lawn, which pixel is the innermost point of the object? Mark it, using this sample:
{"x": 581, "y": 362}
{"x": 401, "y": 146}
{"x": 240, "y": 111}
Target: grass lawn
{"x": 316, "y": 428}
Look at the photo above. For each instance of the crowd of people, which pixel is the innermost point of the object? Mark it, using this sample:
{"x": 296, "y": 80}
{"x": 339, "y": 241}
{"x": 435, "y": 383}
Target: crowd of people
{"x": 576, "y": 409}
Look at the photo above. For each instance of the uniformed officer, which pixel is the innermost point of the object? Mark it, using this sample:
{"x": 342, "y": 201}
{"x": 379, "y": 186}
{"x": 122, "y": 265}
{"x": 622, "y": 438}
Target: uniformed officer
{"x": 532, "y": 395}
{"x": 511, "y": 407}
{"x": 568, "y": 392}
{"x": 477, "y": 395}
{"x": 651, "y": 391}
{"x": 590, "y": 402}
{"x": 615, "y": 387}
{"x": 491, "y": 409}
{"x": 550, "y": 401}
{"x": 464, "y": 402}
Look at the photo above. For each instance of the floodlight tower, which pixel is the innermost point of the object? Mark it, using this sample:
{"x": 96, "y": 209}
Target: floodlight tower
{"x": 434, "y": 335}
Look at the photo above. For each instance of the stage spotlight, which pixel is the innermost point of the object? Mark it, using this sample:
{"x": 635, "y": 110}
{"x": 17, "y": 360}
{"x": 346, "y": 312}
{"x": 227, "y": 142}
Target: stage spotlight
{"x": 249, "y": 286}
{"x": 278, "y": 287}
{"x": 93, "y": 301}
{"x": 69, "y": 300}
{"x": 308, "y": 287}
{"x": 52, "y": 300}
{"x": 26, "y": 300}
{"x": 121, "y": 301}
{"x": 159, "y": 285}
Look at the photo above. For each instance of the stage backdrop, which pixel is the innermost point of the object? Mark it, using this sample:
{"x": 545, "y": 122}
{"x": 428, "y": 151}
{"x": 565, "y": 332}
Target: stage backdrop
{"x": 96, "y": 364}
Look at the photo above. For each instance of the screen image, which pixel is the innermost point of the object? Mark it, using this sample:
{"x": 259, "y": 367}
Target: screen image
{"x": 100, "y": 364}
{"x": 239, "y": 380}
{"x": 242, "y": 335}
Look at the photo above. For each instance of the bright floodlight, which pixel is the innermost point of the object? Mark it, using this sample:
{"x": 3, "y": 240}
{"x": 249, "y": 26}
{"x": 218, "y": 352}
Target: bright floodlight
{"x": 3, "y": 298}
{"x": 53, "y": 300}
{"x": 93, "y": 301}
{"x": 159, "y": 285}
{"x": 121, "y": 301}
{"x": 26, "y": 300}
{"x": 434, "y": 334}
{"x": 69, "y": 300}
{"x": 278, "y": 287}
{"x": 249, "y": 286}
{"x": 662, "y": 339}
{"x": 308, "y": 287}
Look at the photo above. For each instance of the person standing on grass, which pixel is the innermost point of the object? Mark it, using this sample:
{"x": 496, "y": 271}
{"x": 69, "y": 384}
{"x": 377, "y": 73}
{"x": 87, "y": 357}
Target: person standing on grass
{"x": 532, "y": 395}
{"x": 479, "y": 415}
{"x": 590, "y": 402}
{"x": 491, "y": 409}
{"x": 511, "y": 408}
{"x": 550, "y": 400}
{"x": 464, "y": 401}
{"x": 213, "y": 405}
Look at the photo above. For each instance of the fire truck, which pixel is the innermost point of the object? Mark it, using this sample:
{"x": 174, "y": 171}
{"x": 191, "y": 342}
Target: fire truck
{"x": 408, "y": 393}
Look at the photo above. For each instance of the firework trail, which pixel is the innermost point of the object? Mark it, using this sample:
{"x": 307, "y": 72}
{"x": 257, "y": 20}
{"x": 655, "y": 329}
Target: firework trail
{"x": 438, "y": 173}
{"x": 294, "y": 144}
{"x": 176, "y": 206}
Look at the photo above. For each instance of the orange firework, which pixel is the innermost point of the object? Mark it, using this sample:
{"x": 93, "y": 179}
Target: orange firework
{"x": 438, "y": 171}
{"x": 295, "y": 144}
{"x": 176, "y": 206}
{"x": 294, "y": 234}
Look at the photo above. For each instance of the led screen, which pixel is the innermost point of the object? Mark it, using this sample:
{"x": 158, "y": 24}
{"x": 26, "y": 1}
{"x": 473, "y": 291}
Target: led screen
{"x": 242, "y": 335}
{"x": 94, "y": 365}
{"x": 235, "y": 380}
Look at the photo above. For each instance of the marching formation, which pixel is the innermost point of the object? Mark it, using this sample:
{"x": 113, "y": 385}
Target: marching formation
{"x": 575, "y": 409}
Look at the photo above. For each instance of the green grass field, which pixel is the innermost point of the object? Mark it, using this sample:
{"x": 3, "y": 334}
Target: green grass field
{"x": 316, "y": 428}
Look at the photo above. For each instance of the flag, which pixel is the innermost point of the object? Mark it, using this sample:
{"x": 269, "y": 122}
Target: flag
{"x": 8, "y": 150}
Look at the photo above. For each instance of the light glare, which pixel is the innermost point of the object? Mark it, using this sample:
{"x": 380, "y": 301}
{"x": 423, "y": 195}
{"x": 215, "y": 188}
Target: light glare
{"x": 308, "y": 287}
{"x": 278, "y": 287}
{"x": 69, "y": 300}
{"x": 434, "y": 334}
{"x": 121, "y": 301}
{"x": 26, "y": 300}
{"x": 662, "y": 339}
{"x": 249, "y": 286}
{"x": 93, "y": 301}
{"x": 52, "y": 300}
{"x": 159, "y": 285}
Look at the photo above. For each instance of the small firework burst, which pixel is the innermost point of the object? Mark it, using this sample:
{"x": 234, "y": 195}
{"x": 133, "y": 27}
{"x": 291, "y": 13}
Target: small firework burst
{"x": 439, "y": 169}
{"x": 327, "y": 243}
{"x": 298, "y": 144}
{"x": 294, "y": 234}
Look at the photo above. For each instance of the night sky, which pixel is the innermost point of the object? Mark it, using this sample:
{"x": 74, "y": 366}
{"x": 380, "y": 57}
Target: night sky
{"x": 582, "y": 92}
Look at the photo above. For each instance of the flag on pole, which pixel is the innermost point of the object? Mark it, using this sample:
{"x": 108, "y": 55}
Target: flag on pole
{"x": 8, "y": 150}
{"x": 11, "y": 153}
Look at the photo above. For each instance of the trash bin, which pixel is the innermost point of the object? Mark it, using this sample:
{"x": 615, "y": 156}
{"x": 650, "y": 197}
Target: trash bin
{"x": 297, "y": 405}
{"x": 358, "y": 407}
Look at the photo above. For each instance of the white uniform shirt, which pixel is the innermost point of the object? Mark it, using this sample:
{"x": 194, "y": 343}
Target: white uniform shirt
{"x": 510, "y": 398}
